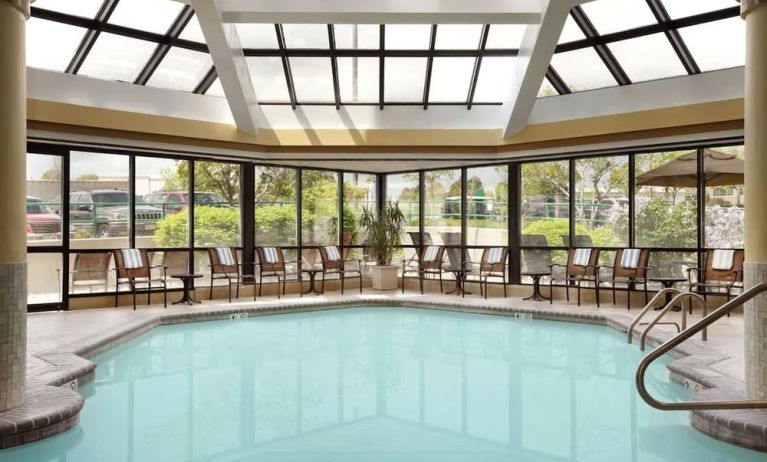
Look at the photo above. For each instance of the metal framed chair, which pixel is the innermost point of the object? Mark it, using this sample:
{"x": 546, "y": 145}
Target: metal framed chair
{"x": 271, "y": 263}
{"x": 224, "y": 264}
{"x": 722, "y": 272}
{"x": 582, "y": 266}
{"x": 334, "y": 263}
{"x": 492, "y": 264}
{"x": 429, "y": 262}
{"x": 132, "y": 268}
{"x": 629, "y": 268}
{"x": 90, "y": 270}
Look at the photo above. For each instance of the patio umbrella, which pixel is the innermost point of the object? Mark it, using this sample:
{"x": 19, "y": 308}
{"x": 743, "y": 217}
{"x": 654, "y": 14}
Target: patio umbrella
{"x": 720, "y": 169}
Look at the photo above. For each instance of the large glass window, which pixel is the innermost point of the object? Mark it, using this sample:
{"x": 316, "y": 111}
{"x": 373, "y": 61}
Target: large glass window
{"x": 545, "y": 206}
{"x": 44, "y": 224}
{"x": 442, "y": 211}
{"x": 115, "y": 57}
{"x": 724, "y": 213}
{"x": 319, "y": 208}
{"x": 601, "y": 201}
{"x": 162, "y": 202}
{"x": 359, "y": 193}
{"x": 487, "y": 202}
{"x": 666, "y": 205}
{"x": 275, "y": 206}
{"x": 217, "y": 204}
{"x": 99, "y": 201}
{"x": 44, "y": 283}
{"x": 403, "y": 188}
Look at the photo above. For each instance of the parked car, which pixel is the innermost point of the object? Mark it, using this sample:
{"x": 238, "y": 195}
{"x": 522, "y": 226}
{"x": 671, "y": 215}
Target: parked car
{"x": 42, "y": 222}
{"x": 174, "y": 201}
{"x": 106, "y": 213}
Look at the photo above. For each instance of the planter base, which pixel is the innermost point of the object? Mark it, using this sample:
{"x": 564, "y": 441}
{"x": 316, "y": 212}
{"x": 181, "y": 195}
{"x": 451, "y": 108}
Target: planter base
{"x": 384, "y": 277}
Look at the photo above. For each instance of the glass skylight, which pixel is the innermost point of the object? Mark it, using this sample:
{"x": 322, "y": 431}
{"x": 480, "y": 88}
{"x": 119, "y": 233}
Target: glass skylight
{"x": 582, "y": 70}
{"x": 450, "y": 78}
{"x": 458, "y": 36}
{"x": 257, "y": 36}
{"x": 683, "y": 8}
{"x": 571, "y": 32}
{"x": 718, "y": 44}
{"x": 494, "y": 80}
{"x": 407, "y": 36}
{"x": 181, "y": 69}
{"x": 546, "y": 89}
{"x": 505, "y": 36}
{"x": 55, "y": 55}
{"x": 268, "y": 78}
{"x": 312, "y": 79}
{"x": 306, "y": 35}
{"x": 150, "y": 15}
{"x": 115, "y": 57}
{"x": 192, "y": 31}
{"x": 358, "y": 79}
{"x": 647, "y": 58}
{"x": 84, "y": 8}
{"x": 216, "y": 89}
{"x": 616, "y": 15}
{"x": 404, "y": 78}
{"x": 357, "y": 36}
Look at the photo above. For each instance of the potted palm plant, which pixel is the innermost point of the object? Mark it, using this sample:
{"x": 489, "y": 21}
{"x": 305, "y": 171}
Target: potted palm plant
{"x": 384, "y": 236}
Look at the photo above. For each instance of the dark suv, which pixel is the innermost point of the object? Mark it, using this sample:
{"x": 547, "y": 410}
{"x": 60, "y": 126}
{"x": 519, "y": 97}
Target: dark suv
{"x": 175, "y": 201}
{"x": 106, "y": 213}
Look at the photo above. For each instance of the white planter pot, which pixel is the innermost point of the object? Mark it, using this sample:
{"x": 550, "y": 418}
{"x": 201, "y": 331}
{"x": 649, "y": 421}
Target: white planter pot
{"x": 384, "y": 277}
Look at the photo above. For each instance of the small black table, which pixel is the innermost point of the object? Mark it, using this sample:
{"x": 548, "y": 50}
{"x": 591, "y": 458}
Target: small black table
{"x": 667, "y": 283}
{"x": 536, "y": 275}
{"x": 460, "y": 281}
{"x": 312, "y": 272}
{"x": 186, "y": 299}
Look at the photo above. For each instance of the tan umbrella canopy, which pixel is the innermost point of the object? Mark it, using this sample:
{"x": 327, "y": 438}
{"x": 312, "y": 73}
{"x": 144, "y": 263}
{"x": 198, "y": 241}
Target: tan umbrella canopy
{"x": 720, "y": 169}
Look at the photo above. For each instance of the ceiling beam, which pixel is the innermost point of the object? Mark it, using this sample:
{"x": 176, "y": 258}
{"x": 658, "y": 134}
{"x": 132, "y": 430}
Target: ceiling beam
{"x": 387, "y": 12}
{"x": 229, "y": 61}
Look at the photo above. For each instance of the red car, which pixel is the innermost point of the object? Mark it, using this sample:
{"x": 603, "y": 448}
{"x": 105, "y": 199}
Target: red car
{"x": 42, "y": 223}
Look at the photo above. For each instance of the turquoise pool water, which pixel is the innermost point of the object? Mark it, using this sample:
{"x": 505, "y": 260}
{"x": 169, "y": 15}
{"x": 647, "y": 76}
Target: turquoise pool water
{"x": 376, "y": 384}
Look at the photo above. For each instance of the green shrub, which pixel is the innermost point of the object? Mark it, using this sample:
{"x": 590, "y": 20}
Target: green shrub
{"x": 555, "y": 229}
{"x": 214, "y": 226}
{"x": 276, "y": 224}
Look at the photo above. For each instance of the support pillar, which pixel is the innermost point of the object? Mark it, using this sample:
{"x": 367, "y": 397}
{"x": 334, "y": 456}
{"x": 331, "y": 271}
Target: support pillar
{"x": 754, "y": 12}
{"x": 13, "y": 252}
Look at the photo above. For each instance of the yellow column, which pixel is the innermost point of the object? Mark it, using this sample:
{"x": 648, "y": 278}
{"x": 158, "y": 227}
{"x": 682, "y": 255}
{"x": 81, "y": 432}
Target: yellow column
{"x": 755, "y": 319}
{"x": 13, "y": 266}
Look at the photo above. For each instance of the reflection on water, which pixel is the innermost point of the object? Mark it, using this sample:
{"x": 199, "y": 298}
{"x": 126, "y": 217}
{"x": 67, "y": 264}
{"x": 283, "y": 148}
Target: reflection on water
{"x": 376, "y": 385}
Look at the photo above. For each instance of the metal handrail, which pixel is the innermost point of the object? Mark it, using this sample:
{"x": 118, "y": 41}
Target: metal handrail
{"x": 693, "y": 296}
{"x": 647, "y": 307}
{"x": 672, "y": 343}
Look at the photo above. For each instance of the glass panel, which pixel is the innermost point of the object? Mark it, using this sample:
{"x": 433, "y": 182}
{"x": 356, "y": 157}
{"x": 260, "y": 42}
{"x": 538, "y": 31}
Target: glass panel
{"x": 305, "y": 35}
{"x": 192, "y": 31}
{"x": 51, "y": 45}
{"x": 357, "y": 36}
{"x": 276, "y": 206}
{"x": 84, "y": 8}
{"x": 582, "y": 70}
{"x": 43, "y": 200}
{"x": 358, "y": 79}
{"x": 545, "y": 205}
{"x": 45, "y": 285}
{"x": 666, "y": 205}
{"x": 546, "y": 89}
{"x": 313, "y": 79}
{"x": 181, "y": 69}
{"x": 177, "y": 262}
{"x": 602, "y": 203}
{"x": 149, "y": 15}
{"x": 671, "y": 264}
{"x": 319, "y": 208}
{"x": 257, "y": 35}
{"x": 458, "y": 36}
{"x": 99, "y": 201}
{"x": 216, "y": 89}
{"x": 407, "y": 36}
{"x": 487, "y": 193}
{"x": 616, "y": 15}
{"x": 494, "y": 80}
{"x": 403, "y": 188}
{"x": 404, "y": 79}
{"x": 505, "y": 36}
{"x": 683, "y": 8}
{"x": 442, "y": 211}
{"x": 539, "y": 260}
{"x": 114, "y": 57}
{"x": 217, "y": 206}
{"x": 724, "y": 197}
{"x": 268, "y": 78}
{"x": 632, "y": 55}
{"x": 718, "y": 44}
{"x": 450, "y": 78}
{"x": 359, "y": 193}
{"x": 162, "y": 202}
{"x": 571, "y": 32}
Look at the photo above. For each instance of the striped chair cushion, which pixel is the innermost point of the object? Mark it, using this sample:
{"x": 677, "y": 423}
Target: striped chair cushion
{"x": 581, "y": 257}
{"x": 132, "y": 258}
{"x": 431, "y": 253}
{"x": 630, "y": 258}
{"x": 270, "y": 255}
{"x": 332, "y": 252}
{"x": 723, "y": 259}
{"x": 225, "y": 256}
{"x": 494, "y": 255}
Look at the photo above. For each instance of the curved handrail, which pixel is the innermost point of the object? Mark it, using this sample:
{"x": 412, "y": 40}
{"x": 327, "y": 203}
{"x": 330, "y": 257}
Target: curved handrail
{"x": 647, "y": 307}
{"x": 701, "y": 302}
{"x": 681, "y": 337}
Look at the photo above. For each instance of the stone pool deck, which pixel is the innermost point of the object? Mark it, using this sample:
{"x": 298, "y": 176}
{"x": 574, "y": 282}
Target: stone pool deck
{"x": 60, "y": 343}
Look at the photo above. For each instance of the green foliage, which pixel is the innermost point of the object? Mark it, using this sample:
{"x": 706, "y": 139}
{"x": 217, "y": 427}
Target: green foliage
{"x": 663, "y": 225}
{"x": 87, "y": 177}
{"x": 214, "y": 226}
{"x": 555, "y": 229}
{"x": 220, "y": 178}
{"x": 384, "y": 232}
{"x": 276, "y": 224}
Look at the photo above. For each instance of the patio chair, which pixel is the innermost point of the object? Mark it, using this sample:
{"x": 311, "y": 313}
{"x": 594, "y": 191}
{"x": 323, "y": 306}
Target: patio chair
{"x": 175, "y": 262}
{"x": 537, "y": 260}
{"x": 429, "y": 262}
{"x": 132, "y": 268}
{"x": 722, "y": 273}
{"x": 224, "y": 264}
{"x": 629, "y": 268}
{"x": 271, "y": 263}
{"x": 580, "y": 240}
{"x": 582, "y": 266}
{"x": 333, "y": 263}
{"x": 492, "y": 264}
{"x": 90, "y": 270}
